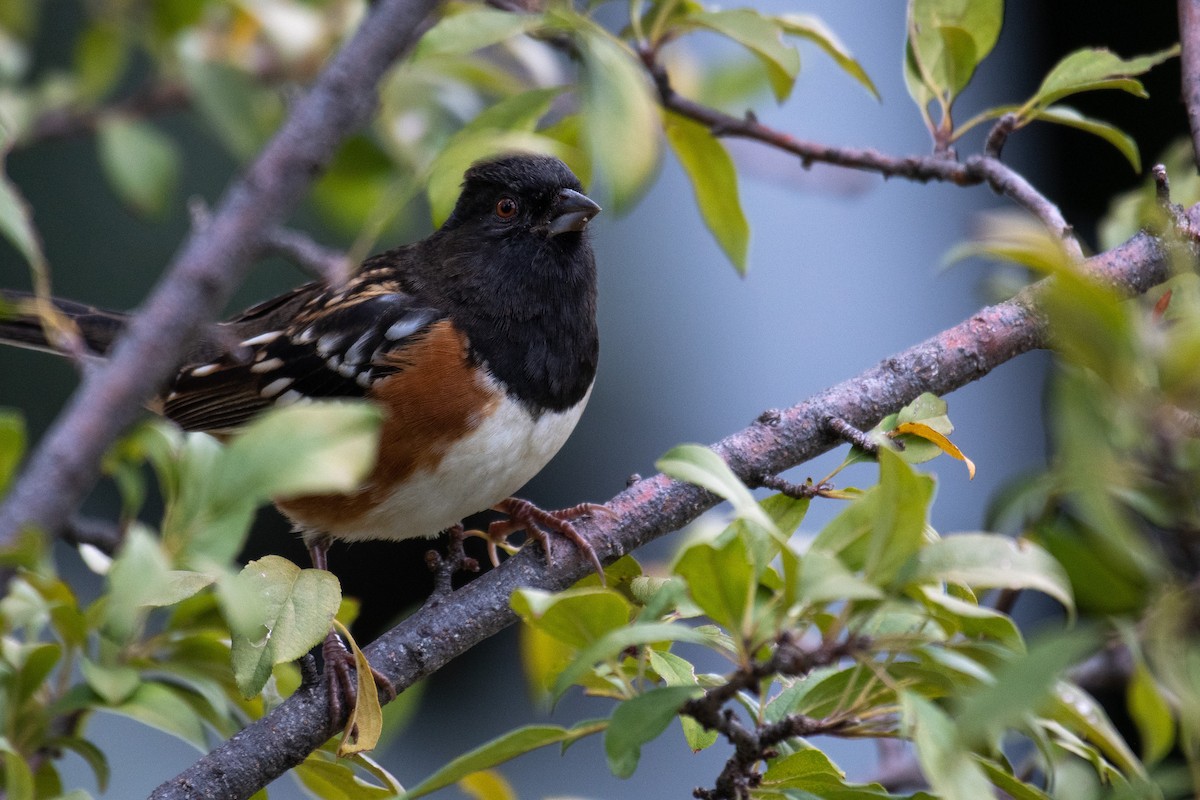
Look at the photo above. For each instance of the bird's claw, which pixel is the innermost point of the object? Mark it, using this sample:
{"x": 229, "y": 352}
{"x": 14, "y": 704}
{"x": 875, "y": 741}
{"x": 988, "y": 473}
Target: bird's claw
{"x": 538, "y": 523}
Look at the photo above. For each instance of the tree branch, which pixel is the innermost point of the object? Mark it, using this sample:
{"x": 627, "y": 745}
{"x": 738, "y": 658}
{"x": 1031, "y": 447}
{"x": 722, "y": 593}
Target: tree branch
{"x": 202, "y": 276}
{"x": 450, "y": 624}
{"x": 974, "y": 171}
{"x": 1189, "y": 39}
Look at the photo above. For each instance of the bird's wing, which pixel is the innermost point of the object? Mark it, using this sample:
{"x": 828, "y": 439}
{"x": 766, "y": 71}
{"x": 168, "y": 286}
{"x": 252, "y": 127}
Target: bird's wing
{"x": 312, "y": 343}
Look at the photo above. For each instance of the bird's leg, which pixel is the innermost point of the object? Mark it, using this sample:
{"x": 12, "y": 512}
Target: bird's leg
{"x": 524, "y": 515}
{"x": 339, "y": 661}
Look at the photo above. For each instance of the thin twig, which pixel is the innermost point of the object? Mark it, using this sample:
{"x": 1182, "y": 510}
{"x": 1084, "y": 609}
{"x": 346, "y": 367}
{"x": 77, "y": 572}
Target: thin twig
{"x": 975, "y": 170}
{"x": 324, "y": 263}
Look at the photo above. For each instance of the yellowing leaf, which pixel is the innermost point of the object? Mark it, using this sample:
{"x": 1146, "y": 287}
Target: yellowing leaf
{"x": 948, "y": 447}
{"x": 365, "y": 724}
{"x": 487, "y": 785}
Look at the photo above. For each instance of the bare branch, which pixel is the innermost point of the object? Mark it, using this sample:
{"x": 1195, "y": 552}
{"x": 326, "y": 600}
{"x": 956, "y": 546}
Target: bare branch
{"x": 210, "y": 264}
{"x": 324, "y": 263}
{"x": 1189, "y": 39}
{"x": 652, "y": 507}
{"x": 979, "y": 169}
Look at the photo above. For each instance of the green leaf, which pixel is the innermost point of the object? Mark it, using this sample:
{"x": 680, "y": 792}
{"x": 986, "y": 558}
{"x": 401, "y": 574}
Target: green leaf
{"x": 141, "y": 163}
{"x": 18, "y": 780}
{"x": 1091, "y": 69}
{"x": 114, "y": 683}
{"x": 621, "y": 116}
{"x": 1079, "y": 712}
{"x": 970, "y": 619}
{"x": 473, "y": 28}
{"x": 1151, "y": 714}
{"x": 277, "y": 612}
{"x": 952, "y": 772}
{"x": 1022, "y": 687}
{"x": 721, "y": 581}
{"x": 1008, "y": 783}
{"x": 639, "y": 720}
{"x": 699, "y": 465}
{"x": 815, "y": 30}
{"x": 577, "y": 616}
{"x": 242, "y": 114}
{"x": 824, "y": 578}
{"x": 338, "y": 780}
{"x": 101, "y": 56}
{"x": 160, "y": 706}
{"x": 617, "y": 641}
{"x": 12, "y": 445}
{"x": 1064, "y": 115}
{"x": 678, "y": 671}
{"x": 898, "y": 526}
{"x": 299, "y": 450}
{"x": 990, "y": 561}
{"x": 16, "y": 219}
{"x": 714, "y": 182}
{"x": 761, "y": 35}
{"x": 946, "y": 41}
{"x": 139, "y": 577}
{"x": 92, "y": 755}
{"x": 501, "y": 749}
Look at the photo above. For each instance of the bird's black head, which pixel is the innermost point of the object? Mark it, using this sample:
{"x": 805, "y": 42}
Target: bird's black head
{"x": 516, "y": 271}
{"x": 522, "y": 194}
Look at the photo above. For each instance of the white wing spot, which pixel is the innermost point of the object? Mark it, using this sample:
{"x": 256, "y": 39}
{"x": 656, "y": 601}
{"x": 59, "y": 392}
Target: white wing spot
{"x": 405, "y": 327}
{"x": 270, "y": 365}
{"x": 275, "y": 387}
{"x": 289, "y": 397}
{"x": 262, "y": 338}
{"x": 327, "y": 343}
{"x": 205, "y": 369}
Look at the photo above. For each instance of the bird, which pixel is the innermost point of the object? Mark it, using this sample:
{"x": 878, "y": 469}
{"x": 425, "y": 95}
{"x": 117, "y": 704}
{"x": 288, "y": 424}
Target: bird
{"x": 479, "y": 343}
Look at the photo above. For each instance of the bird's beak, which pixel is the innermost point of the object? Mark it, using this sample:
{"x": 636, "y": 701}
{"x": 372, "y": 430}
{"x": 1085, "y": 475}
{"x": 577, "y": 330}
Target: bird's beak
{"x": 572, "y": 211}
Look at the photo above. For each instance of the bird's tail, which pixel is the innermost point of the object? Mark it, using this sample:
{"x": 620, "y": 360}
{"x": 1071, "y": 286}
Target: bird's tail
{"x": 66, "y": 321}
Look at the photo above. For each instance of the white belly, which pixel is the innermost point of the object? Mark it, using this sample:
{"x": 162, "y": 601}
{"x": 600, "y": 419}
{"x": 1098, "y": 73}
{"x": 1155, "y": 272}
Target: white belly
{"x": 500, "y": 457}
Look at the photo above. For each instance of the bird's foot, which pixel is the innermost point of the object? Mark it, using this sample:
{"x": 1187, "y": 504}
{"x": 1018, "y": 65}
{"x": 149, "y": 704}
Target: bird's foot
{"x": 456, "y": 560}
{"x": 340, "y": 676}
{"x": 538, "y": 524}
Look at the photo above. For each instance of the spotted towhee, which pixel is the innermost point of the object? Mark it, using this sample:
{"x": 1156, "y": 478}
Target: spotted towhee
{"x": 479, "y": 343}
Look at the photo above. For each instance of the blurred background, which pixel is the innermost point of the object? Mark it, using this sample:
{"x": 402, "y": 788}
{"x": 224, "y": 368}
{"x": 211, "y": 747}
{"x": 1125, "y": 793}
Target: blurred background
{"x": 844, "y": 269}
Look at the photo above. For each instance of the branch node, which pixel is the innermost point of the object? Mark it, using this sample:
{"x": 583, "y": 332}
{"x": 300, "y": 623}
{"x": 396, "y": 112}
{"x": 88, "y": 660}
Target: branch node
{"x": 1162, "y": 186}
{"x": 848, "y": 433}
{"x": 770, "y": 418}
{"x": 632, "y": 479}
{"x": 999, "y": 134}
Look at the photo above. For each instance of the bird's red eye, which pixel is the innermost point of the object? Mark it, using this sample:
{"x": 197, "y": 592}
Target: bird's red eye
{"x": 506, "y": 208}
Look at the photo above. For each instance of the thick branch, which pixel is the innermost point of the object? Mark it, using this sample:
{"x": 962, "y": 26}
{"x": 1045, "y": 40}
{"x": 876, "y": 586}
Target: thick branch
{"x": 449, "y": 625}
{"x": 203, "y": 275}
{"x": 1189, "y": 39}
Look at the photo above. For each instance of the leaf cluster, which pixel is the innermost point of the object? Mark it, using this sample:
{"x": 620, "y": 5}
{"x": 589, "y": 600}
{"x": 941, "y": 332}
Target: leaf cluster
{"x": 873, "y": 629}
